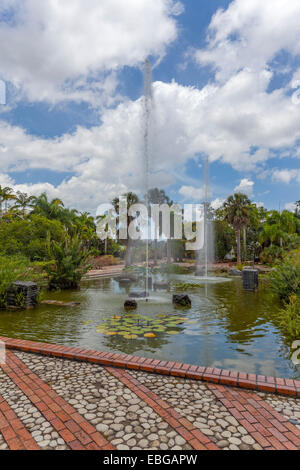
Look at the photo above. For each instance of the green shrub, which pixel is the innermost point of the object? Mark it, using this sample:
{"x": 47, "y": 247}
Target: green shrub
{"x": 69, "y": 263}
{"x": 285, "y": 281}
{"x": 272, "y": 254}
{"x": 173, "y": 269}
{"x": 289, "y": 318}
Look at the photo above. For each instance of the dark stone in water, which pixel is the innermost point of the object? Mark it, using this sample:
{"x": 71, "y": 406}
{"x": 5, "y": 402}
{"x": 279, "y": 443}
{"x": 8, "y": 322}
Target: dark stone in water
{"x": 60, "y": 303}
{"x": 124, "y": 281}
{"x": 130, "y": 304}
{"x": 137, "y": 294}
{"x": 182, "y": 300}
{"x": 234, "y": 272}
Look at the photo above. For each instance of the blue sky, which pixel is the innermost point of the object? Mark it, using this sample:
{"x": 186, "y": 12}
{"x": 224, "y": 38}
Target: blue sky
{"x": 225, "y": 82}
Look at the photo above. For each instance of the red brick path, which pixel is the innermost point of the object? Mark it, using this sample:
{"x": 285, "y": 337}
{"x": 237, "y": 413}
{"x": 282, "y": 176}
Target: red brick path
{"x": 267, "y": 427}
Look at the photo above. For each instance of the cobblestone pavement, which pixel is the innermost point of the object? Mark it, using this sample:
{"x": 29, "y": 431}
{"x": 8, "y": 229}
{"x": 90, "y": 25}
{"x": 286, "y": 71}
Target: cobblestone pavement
{"x": 59, "y": 404}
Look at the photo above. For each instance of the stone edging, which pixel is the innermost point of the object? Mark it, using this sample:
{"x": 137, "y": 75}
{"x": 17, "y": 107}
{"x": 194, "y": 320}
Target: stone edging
{"x": 260, "y": 383}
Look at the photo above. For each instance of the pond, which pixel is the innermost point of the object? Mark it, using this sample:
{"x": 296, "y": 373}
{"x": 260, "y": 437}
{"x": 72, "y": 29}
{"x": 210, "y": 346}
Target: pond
{"x": 225, "y": 328}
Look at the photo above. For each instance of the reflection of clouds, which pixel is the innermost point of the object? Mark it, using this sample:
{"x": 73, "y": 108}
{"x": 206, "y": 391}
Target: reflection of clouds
{"x": 249, "y": 365}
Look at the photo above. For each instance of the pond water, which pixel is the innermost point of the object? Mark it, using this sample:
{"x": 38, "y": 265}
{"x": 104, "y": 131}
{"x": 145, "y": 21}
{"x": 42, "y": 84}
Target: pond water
{"x": 226, "y": 326}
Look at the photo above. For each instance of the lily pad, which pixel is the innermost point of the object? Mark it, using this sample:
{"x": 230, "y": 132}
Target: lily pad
{"x": 172, "y": 332}
{"x": 150, "y": 335}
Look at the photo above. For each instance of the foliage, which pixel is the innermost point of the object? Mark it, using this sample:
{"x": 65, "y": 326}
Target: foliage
{"x": 237, "y": 214}
{"x": 106, "y": 260}
{"x": 183, "y": 286}
{"x": 173, "y": 269}
{"x": 285, "y": 280}
{"x": 289, "y": 318}
{"x": 224, "y": 239}
{"x": 271, "y": 254}
{"x": 69, "y": 263}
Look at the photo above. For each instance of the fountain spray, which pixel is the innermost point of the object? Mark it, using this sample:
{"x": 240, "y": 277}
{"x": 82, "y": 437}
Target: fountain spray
{"x": 148, "y": 97}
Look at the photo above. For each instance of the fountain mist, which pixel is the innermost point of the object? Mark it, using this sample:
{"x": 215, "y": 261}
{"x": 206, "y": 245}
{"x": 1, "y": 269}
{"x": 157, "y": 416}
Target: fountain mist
{"x": 148, "y": 105}
{"x": 206, "y": 255}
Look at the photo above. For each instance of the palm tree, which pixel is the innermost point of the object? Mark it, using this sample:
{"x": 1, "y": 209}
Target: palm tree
{"x": 237, "y": 214}
{"x": 277, "y": 227}
{"x": 23, "y": 201}
{"x": 158, "y": 196}
{"x": 131, "y": 200}
{"x": 50, "y": 209}
{"x": 6, "y": 194}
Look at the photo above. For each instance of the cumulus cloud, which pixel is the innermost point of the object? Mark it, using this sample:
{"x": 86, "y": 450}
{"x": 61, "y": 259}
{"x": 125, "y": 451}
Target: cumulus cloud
{"x": 56, "y": 50}
{"x": 245, "y": 187}
{"x": 249, "y": 34}
{"x": 192, "y": 194}
{"x": 291, "y": 206}
{"x": 286, "y": 176}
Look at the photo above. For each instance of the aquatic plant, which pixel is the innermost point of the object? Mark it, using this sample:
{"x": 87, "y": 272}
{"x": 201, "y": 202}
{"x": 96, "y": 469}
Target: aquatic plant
{"x": 134, "y": 326}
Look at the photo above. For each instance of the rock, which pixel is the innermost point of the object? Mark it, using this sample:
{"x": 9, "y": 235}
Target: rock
{"x": 102, "y": 427}
{"x": 182, "y": 300}
{"x": 222, "y": 444}
{"x": 180, "y": 441}
{"x": 235, "y": 441}
{"x": 130, "y": 304}
{"x": 248, "y": 440}
{"x": 124, "y": 281}
{"x": 234, "y": 272}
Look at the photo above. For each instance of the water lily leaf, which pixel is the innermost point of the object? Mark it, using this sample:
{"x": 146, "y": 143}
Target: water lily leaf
{"x": 149, "y": 335}
{"x": 88, "y": 322}
{"x": 130, "y": 336}
{"x": 111, "y": 333}
{"x": 172, "y": 332}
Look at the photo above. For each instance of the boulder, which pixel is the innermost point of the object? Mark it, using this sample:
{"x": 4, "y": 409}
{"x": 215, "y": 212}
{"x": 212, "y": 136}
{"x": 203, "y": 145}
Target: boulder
{"x": 182, "y": 300}
{"x": 130, "y": 304}
{"x": 234, "y": 272}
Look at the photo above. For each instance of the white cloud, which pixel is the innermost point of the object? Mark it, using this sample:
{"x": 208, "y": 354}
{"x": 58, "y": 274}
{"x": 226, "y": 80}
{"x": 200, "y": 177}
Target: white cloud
{"x": 191, "y": 193}
{"x": 217, "y": 203}
{"x": 249, "y": 34}
{"x": 245, "y": 187}
{"x": 290, "y": 206}
{"x": 55, "y": 50}
{"x": 286, "y": 176}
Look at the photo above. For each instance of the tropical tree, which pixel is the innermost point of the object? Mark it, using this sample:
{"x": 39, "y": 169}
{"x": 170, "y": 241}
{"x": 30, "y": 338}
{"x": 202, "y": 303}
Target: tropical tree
{"x": 132, "y": 199}
{"x": 50, "y": 209}
{"x": 237, "y": 214}
{"x": 6, "y": 194}
{"x": 22, "y": 201}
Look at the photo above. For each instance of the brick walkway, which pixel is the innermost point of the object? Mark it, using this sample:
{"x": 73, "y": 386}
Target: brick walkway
{"x": 48, "y": 400}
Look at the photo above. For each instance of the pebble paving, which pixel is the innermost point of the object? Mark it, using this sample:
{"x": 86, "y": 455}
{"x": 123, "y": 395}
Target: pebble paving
{"x": 198, "y": 404}
{"x": 128, "y": 420}
{"x": 124, "y": 419}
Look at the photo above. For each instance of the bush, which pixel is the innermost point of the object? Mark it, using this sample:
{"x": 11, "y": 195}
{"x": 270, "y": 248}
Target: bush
{"x": 69, "y": 264}
{"x": 289, "y": 318}
{"x": 12, "y": 269}
{"x": 285, "y": 281}
{"x": 272, "y": 254}
{"x": 106, "y": 260}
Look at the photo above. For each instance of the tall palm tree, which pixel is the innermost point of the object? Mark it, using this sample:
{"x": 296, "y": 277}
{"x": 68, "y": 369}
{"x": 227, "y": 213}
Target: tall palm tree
{"x": 131, "y": 200}
{"x": 22, "y": 201}
{"x": 50, "y": 209}
{"x": 6, "y": 194}
{"x": 237, "y": 214}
